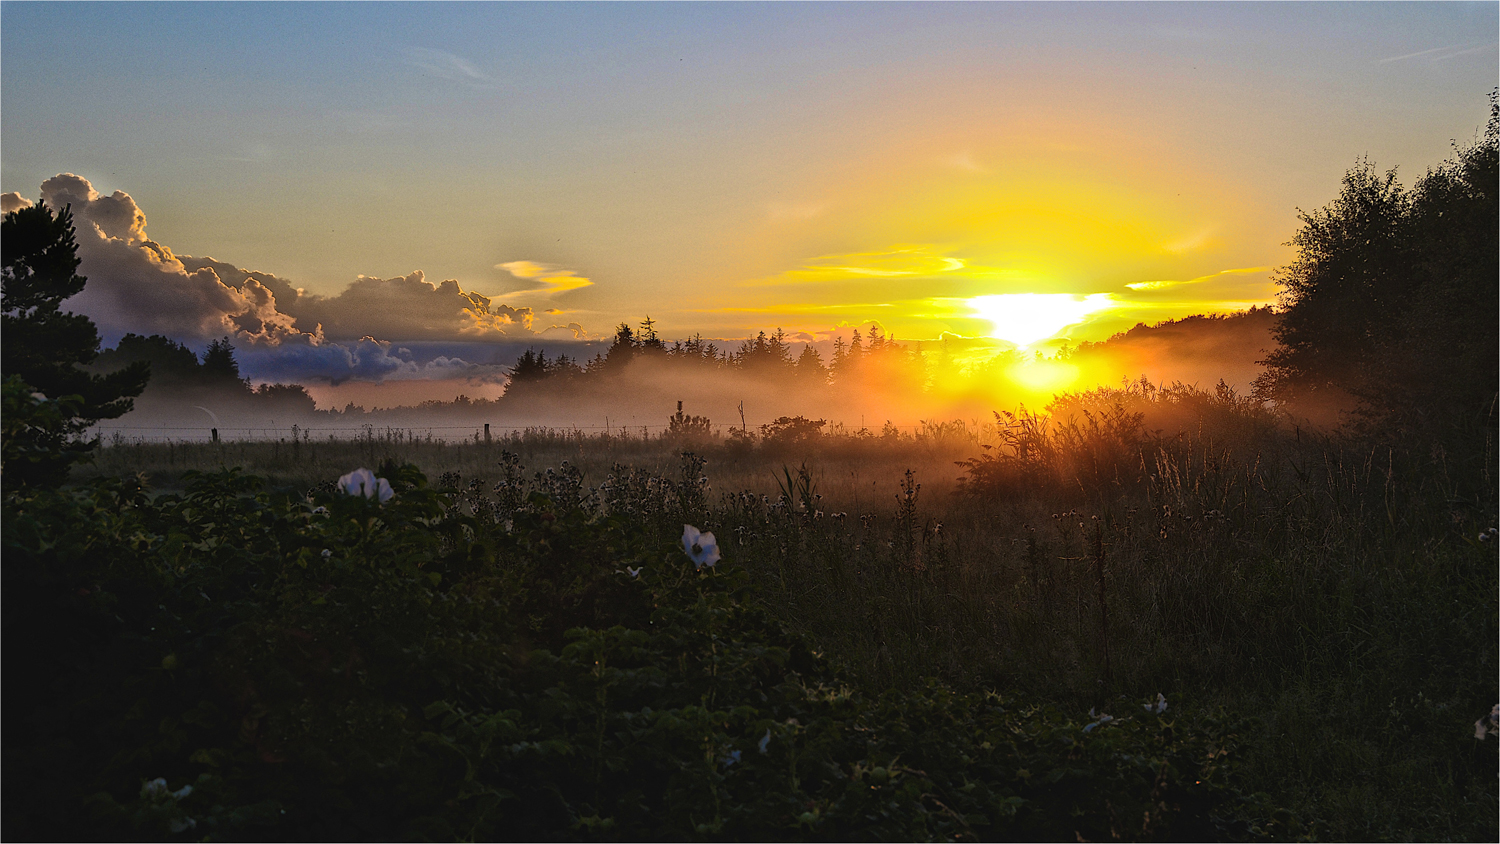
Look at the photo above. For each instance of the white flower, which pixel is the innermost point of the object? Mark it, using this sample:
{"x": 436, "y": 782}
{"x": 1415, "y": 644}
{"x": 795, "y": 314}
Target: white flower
{"x": 363, "y": 482}
{"x": 733, "y": 757}
{"x": 1103, "y": 719}
{"x": 700, "y": 546}
{"x": 327, "y": 553}
{"x": 1481, "y": 728}
{"x": 155, "y": 787}
{"x": 183, "y": 792}
{"x": 320, "y": 510}
{"x": 180, "y": 825}
{"x": 634, "y": 571}
{"x": 1159, "y": 707}
{"x": 765, "y": 741}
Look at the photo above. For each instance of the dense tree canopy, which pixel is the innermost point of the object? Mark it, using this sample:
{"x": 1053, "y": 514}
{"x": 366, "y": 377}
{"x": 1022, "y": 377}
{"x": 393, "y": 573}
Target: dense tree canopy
{"x": 177, "y": 377}
{"x": 1391, "y": 304}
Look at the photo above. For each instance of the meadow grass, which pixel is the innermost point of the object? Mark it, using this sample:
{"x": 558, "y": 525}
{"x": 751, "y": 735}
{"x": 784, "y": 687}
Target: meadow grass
{"x": 1335, "y": 589}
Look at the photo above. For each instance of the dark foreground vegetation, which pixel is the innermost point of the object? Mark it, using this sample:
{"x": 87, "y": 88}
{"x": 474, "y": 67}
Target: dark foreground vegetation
{"x": 475, "y": 658}
{"x": 1149, "y": 613}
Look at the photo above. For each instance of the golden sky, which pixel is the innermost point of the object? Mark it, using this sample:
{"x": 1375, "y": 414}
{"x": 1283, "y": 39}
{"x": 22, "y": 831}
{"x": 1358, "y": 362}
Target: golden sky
{"x": 938, "y": 169}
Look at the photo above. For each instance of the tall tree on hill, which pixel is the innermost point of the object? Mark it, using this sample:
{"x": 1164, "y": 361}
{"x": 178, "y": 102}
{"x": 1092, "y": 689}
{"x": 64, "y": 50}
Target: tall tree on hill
{"x": 45, "y": 348}
{"x": 173, "y": 365}
{"x": 1392, "y": 300}
{"x": 810, "y": 369}
{"x": 623, "y": 350}
{"x": 647, "y": 342}
{"x": 219, "y": 363}
{"x": 529, "y": 367}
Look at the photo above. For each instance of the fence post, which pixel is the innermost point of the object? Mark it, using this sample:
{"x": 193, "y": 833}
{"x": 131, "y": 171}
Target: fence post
{"x": 215, "y": 433}
{"x": 486, "y": 433}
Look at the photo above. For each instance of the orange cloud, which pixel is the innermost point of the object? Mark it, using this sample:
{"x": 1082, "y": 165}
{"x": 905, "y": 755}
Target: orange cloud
{"x": 551, "y": 280}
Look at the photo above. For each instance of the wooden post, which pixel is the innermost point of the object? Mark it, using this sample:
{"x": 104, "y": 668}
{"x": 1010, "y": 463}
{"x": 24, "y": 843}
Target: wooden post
{"x": 215, "y": 433}
{"x": 486, "y": 433}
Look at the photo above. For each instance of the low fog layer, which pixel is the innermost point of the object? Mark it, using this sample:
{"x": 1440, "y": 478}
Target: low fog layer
{"x": 637, "y": 393}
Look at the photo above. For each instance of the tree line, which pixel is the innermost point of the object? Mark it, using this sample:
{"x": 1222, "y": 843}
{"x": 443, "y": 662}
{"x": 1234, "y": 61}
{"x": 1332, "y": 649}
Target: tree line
{"x": 767, "y": 356}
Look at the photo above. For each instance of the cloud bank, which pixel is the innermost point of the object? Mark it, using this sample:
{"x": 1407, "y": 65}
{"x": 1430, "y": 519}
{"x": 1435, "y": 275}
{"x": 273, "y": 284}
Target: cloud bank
{"x": 136, "y": 284}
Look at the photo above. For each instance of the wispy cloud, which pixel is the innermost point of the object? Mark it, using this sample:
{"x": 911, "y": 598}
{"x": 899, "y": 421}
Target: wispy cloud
{"x": 1437, "y": 54}
{"x": 901, "y": 261}
{"x": 549, "y": 279}
{"x": 1221, "y": 275}
{"x": 445, "y": 65}
{"x": 1155, "y": 285}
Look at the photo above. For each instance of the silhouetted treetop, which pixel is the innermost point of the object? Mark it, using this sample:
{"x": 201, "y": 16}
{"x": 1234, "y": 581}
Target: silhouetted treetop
{"x": 1392, "y": 299}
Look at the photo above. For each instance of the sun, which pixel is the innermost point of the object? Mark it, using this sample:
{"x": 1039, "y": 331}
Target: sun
{"x": 1027, "y": 318}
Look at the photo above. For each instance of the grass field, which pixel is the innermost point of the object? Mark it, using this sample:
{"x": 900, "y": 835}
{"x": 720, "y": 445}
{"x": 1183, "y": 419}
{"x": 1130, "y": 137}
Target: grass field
{"x": 1138, "y": 542}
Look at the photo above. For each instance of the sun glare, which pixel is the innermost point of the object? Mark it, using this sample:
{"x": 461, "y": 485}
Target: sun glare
{"x": 1043, "y": 376}
{"x": 1027, "y": 318}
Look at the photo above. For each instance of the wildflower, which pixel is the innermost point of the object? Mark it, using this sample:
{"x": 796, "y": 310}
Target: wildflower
{"x": 1159, "y": 707}
{"x": 1102, "y": 719}
{"x": 1489, "y": 535}
{"x": 700, "y": 546}
{"x": 733, "y": 757}
{"x": 178, "y": 825}
{"x": 320, "y": 511}
{"x": 158, "y": 788}
{"x": 634, "y": 572}
{"x": 1481, "y": 727}
{"x": 363, "y": 482}
{"x": 327, "y": 553}
{"x": 765, "y": 741}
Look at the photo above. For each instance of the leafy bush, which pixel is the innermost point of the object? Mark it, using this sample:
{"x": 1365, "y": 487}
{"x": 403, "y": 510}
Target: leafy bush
{"x": 244, "y": 663}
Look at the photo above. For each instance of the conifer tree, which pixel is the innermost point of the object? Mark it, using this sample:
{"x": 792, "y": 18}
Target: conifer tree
{"x": 44, "y": 348}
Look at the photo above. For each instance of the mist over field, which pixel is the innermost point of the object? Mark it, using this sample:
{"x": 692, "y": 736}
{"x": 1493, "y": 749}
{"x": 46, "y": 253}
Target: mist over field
{"x": 901, "y": 387}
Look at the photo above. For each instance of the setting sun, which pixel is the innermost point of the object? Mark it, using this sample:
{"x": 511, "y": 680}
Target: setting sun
{"x": 1027, "y": 318}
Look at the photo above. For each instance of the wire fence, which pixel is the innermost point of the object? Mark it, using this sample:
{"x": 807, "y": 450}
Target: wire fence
{"x": 116, "y": 435}
{"x": 124, "y": 435}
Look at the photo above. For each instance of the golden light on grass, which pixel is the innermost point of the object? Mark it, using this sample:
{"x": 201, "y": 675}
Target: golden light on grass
{"x": 1027, "y": 318}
